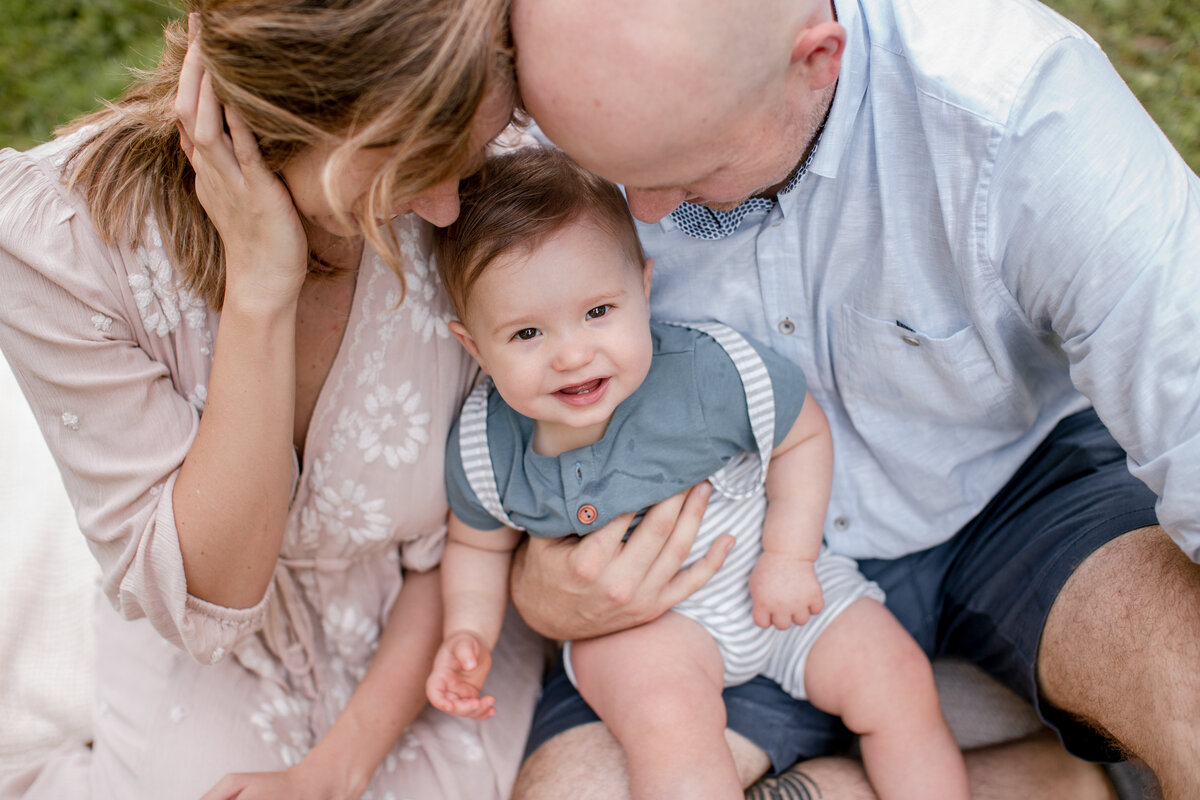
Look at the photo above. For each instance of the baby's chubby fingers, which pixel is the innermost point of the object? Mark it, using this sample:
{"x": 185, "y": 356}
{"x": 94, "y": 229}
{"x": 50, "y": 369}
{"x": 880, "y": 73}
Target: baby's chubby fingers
{"x": 466, "y": 652}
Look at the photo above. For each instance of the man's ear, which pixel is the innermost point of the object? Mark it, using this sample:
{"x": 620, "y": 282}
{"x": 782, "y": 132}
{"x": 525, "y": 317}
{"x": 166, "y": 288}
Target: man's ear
{"x": 818, "y": 51}
{"x": 647, "y": 274}
{"x": 464, "y": 338}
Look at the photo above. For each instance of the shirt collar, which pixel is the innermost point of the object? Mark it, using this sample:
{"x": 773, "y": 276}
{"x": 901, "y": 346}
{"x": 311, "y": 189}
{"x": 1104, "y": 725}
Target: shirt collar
{"x": 700, "y": 222}
{"x": 851, "y": 88}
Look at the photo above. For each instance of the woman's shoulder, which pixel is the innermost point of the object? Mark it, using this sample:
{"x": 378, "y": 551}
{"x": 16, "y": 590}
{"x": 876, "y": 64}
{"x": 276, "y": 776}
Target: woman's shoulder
{"x": 34, "y": 197}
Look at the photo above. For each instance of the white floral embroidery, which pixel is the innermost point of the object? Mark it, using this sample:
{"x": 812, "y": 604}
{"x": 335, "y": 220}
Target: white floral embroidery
{"x": 161, "y": 302}
{"x": 409, "y": 747}
{"x": 101, "y": 322}
{"x": 344, "y": 511}
{"x": 392, "y": 425}
{"x": 198, "y": 396}
{"x": 352, "y": 633}
{"x": 428, "y": 316}
{"x": 70, "y": 420}
{"x": 472, "y": 746}
{"x": 282, "y": 720}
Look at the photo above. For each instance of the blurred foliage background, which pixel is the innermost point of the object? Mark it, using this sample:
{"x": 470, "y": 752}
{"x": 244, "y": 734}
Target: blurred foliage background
{"x": 59, "y": 57}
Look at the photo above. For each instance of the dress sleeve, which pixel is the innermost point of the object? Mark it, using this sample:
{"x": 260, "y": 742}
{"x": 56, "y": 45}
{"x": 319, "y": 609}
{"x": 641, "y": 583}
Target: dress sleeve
{"x": 111, "y": 413}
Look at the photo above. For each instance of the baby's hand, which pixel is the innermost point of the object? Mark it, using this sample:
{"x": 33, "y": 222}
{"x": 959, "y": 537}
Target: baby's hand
{"x": 785, "y": 591}
{"x": 459, "y": 669}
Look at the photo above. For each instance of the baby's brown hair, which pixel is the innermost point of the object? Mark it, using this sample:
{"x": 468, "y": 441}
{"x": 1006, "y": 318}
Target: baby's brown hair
{"x": 517, "y": 201}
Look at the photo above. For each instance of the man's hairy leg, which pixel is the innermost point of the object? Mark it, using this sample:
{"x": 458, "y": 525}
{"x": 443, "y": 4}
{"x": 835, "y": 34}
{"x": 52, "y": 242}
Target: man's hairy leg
{"x": 587, "y": 763}
{"x": 1120, "y": 649}
{"x": 1036, "y": 768}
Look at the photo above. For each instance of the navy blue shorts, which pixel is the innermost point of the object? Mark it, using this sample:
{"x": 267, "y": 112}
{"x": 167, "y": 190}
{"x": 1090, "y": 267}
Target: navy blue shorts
{"x": 982, "y": 596}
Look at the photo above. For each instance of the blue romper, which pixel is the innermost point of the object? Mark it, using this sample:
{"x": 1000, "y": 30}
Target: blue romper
{"x": 479, "y": 452}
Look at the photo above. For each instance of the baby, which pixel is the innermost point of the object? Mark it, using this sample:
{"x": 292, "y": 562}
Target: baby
{"x": 592, "y": 411}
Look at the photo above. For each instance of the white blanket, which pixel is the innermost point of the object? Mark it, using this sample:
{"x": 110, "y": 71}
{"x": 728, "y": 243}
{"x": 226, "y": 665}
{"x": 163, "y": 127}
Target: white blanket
{"x": 47, "y": 587}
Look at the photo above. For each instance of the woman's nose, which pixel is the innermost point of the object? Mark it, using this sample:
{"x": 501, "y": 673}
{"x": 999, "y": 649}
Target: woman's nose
{"x": 651, "y": 205}
{"x": 438, "y": 204}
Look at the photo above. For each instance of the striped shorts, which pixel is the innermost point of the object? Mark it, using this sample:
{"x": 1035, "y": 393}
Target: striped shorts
{"x": 723, "y": 606}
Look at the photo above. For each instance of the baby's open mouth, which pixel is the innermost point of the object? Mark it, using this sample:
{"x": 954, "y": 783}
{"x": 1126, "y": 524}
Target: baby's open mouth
{"x": 582, "y": 388}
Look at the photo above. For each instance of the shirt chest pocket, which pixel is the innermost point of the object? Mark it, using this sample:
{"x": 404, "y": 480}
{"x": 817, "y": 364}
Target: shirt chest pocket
{"x": 897, "y": 381}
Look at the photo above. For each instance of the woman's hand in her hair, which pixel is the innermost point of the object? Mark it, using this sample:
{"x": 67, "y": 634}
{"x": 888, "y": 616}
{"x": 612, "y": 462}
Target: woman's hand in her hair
{"x": 266, "y": 250}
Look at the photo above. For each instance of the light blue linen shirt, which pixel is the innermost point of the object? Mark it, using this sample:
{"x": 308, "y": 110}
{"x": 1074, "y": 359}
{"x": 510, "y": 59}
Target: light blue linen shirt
{"x": 992, "y": 234}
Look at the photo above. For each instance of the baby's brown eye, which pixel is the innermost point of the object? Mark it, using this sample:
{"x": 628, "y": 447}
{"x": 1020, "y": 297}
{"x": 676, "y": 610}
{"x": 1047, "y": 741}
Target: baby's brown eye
{"x": 598, "y": 311}
{"x": 525, "y": 334}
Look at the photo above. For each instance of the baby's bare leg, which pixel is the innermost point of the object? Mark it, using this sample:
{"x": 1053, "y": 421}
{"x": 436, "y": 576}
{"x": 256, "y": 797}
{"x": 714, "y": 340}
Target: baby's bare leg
{"x": 867, "y": 669}
{"x": 658, "y": 688}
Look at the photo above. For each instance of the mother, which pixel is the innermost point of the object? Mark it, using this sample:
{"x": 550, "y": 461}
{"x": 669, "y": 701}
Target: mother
{"x": 248, "y": 405}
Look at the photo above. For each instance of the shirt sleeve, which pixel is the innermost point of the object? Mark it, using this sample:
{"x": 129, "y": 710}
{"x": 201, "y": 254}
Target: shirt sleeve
{"x": 723, "y": 399}
{"x": 1093, "y": 226}
{"x": 110, "y": 413}
{"x": 463, "y": 500}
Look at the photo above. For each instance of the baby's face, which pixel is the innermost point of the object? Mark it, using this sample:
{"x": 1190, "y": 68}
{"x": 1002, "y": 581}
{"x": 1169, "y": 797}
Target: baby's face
{"x": 564, "y": 331}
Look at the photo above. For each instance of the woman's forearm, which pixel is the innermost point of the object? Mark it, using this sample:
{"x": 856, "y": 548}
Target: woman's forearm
{"x": 392, "y": 693}
{"x": 232, "y": 493}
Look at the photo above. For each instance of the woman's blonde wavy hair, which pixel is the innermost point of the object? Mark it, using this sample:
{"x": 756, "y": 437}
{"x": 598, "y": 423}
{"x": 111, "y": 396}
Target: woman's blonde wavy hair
{"x": 406, "y": 74}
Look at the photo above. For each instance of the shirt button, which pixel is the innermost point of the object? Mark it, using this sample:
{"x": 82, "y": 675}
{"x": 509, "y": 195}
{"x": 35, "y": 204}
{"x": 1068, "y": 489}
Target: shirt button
{"x": 914, "y": 341}
{"x": 586, "y": 514}
{"x": 787, "y": 327}
{"x": 841, "y": 523}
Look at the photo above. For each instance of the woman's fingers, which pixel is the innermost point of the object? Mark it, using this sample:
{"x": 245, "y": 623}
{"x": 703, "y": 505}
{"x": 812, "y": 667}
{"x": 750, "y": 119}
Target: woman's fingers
{"x": 245, "y": 145}
{"x": 185, "y": 141}
{"x": 227, "y": 788}
{"x": 187, "y": 94}
{"x": 209, "y": 134}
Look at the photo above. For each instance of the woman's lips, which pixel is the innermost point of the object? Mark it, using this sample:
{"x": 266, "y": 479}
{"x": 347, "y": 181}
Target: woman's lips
{"x": 583, "y": 394}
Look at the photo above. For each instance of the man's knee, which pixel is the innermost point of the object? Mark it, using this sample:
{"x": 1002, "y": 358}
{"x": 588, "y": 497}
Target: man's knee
{"x": 1137, "y": 590}
{"x": 582, "y": 762}
{"x": 1121, "y": 641}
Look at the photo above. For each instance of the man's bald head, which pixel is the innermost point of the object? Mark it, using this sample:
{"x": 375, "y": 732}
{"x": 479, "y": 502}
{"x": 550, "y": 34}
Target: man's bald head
{"x": 658, "y": 93}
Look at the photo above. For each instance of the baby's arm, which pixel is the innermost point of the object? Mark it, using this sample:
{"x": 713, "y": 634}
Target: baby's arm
{"x": 475, "y": 594}
{"x": 784, "y": 583}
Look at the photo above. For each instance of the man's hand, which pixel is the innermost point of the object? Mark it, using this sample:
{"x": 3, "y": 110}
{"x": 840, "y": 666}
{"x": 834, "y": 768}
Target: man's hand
{"x": 578, "y": 588}
{"x": 785, "y": 591}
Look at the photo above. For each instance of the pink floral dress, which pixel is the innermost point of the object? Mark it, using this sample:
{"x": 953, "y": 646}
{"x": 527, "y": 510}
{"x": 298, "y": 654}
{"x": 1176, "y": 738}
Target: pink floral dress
{"x": 114, "y": 357}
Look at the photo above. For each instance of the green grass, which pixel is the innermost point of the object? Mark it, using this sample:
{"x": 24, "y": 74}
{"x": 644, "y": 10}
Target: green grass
{"x": 59, "y": 57}
{"x": 1155, "y": 45}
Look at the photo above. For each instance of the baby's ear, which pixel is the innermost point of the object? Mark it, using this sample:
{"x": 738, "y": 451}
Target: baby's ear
{"x": 464, "y": 338}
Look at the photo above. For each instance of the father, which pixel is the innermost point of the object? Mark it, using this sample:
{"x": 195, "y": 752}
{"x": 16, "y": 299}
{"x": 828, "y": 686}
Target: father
{"x": 957, "y": 219}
